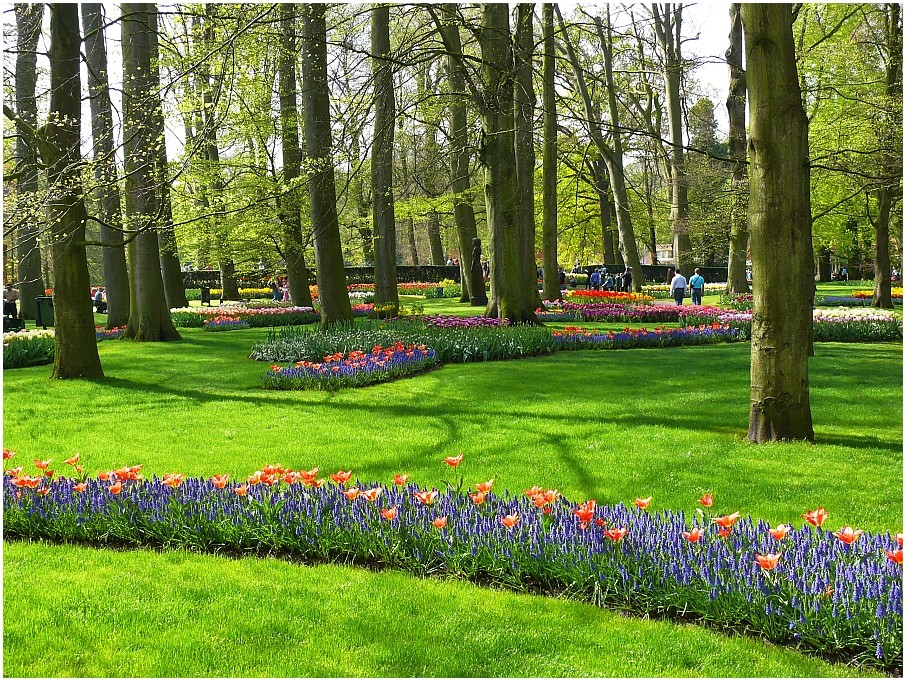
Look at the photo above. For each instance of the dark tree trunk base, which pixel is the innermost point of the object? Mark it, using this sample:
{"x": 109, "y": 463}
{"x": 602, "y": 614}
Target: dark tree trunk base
{"x": 776, "y": 420}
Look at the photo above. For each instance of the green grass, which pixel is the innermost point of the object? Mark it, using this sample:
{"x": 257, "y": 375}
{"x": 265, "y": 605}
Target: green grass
{"x": 609, "y": 425}
{"x": 76, "y": 611}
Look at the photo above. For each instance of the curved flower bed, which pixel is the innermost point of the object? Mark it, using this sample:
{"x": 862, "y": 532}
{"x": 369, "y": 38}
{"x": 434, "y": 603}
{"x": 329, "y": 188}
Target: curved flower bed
{"x": 194, "y": 317}
{"x": 839, "y": 593}
{"x": 591, "y": 296}
{"x": 452, "y": 322}
{"x": 575, "y": 338}
{"x": 34, "y": 348}
{"x": 224, "y": 323}
{"x": 353, "y": 369}
{"x": 840, "y": 325}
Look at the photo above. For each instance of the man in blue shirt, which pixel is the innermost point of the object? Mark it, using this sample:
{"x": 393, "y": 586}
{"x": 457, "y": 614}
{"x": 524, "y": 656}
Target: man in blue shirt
{"x": 697, "y": 283}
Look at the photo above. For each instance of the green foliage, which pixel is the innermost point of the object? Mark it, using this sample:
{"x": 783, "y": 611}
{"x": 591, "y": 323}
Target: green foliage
{"x": 28, "y": 349}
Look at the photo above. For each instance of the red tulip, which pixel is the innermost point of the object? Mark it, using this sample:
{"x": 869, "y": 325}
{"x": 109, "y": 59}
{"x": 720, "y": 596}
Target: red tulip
{"x": 848, "y": 535}
{"x": 615, "y": 534}
{"x": 48, "y": 473}
{"x": 242, "y": 490}
{"x": 780, "y": 531}
{"x": 453, "y": 461}
{"x": 73, "y": 460}
{"x": 484, "y": 487}
{"x": 42, "y": 464}
{"x": 220, "y": 481}
{"x": 43, "y": 491}
{"x": 707, "y": 500}
{"x": 694, "y": 535}
{"x": 895, "y": 556}
{"x": 8, "y": 454}
{"x": 584, "y": 514}
{"x": 341, "y": 477}
{"x": 816, "y": 517}
{"x": 14, "y": 472}
{"x": 351, "y": 493}
{"x": 389, "y": 513}
{"x": 400, "y": 479}
{"x": 426, "y": 497}
{"x": 642, "y": 503}
{"x": 727, "y": 520}
{"x": 600, "y": 522}
{"x": 725, "y": 532}
{"x": 509, "y": 521}
{"x": 477, "y": 498}
{"x": 81, "y": 487}
{"x": 768, "y": 561}
{"x": 440, "y": 523}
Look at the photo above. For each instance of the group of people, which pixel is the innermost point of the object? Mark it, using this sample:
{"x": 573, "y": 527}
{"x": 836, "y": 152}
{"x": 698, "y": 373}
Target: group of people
{"x": 280, "y": 290}
{"x": 602, "y": 279}
{"x": 99, "y": 299}
{"x": 678, "y": 286}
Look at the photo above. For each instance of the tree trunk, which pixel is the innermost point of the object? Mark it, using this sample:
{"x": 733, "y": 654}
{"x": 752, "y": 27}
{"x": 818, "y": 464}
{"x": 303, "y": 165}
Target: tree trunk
{"x": 510, "y": 297}
{"x": 290, "y": 218}
{"x": 892, "y": 164}
{"x": 549, "y": 163}
{"x": 824, "y": 263}
{"x": 736, "y": 112}
{"x": 385, "y": 283}
{"x": 435, "y": 241}
{"x": 463, "y": 212}
{"x": 524, "y": 116}
{"x": 357, "y": 191}
{"x": 410, "y": 238}
{"x": 335, "y": 307}
{"x": 171, "y": 273}
{"x": 76, "y": 352}
{"x": 28, "y": 253}
{"x": 601, "y": 182}
{"x": 149, "y": 316}
{"x": 668, "y": 29}
{"x": 781, "y": 229}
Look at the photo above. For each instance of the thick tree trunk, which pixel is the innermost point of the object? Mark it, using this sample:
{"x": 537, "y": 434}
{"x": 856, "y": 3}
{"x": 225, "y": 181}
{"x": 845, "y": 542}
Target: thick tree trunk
{"x": 463, "y": 212}
{"x": 511, "y": 298}
{"x": 171, "y": 272}
{"x": 290, "y": 218}
{"x": 602, "y": 183}
{"x": 824, "y": 263}
{"x": 435, "y": 240}
{"x": 385, "y": 283}
{"x": 549, "y": 163}
{"x": 149, "y": 316}
{"x": 410, "y": 238}
{"x": 524, "y": 116}
{"x": 76, "y": 353}
{"x": 736, "y": 111}
{"x": 781, "y": 229}
{"x": 335, "y": 307}
{"x": 28, "y": 253}
{"x": 893, "y": 164}
{"x": 116, "y": 276}
{"x": 668, "y": 23}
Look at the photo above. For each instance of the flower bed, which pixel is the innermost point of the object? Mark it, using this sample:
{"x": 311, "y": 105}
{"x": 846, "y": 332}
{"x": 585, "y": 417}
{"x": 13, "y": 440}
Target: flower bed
{"x": 35, "y": 348}
{"x": 838, "y": 593}
{"x": 575, "y": 338}
{"x": 224, "y": 323}
{"x": 591, "y": 296}
{"x": 102, "y": 334}
{"x": 843, "y": 325}
{"x": 662, "y": 291}
{"x": 194, "y": 317}
{"x": 895, "y": 293}
{"x": 353, "y": 369}
{"x": 452, "y": 322}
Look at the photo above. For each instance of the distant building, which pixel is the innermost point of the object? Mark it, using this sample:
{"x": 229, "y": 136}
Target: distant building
{"x": 664, "y": 255}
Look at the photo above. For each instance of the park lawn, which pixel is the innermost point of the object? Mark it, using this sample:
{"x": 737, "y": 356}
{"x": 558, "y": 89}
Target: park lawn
{"x": 79, "y": 611}
{"x": 609, "y": 424}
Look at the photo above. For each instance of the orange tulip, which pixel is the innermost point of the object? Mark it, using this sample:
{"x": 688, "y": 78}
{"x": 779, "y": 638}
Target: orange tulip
{"x": 79, "y": 469}
{"x": 372, "y": 494}
{"x": 900, "y": 540}
{"x": 816, "y": 517}
{"x": 400, "y": 479}
{"x": 135, "y": 469}
{"x": 426, "y": 497}
{"x": 551, "y": 495}
{"x": 477, "y": 498}
{"x": 242, "y": 490}
{"x": 272, "y": 469}
{"x": 453, "y": 461}
{"x": 440, "y": 523}
{"x": 116, "y": 488}
{"x": 584, "y": 514}
{"x": 727, "y": 520}
{"x": 8, "y": 454}
{"x": 725, "y": 532}
{"x": 547, "y": 510}
{"x": 539, "y": 500}
{"x": 389, "y": 513}
{"x": 848, "y": 535}
{"x": 220, "y": 481}
{"x": 768, "y": 561}
{"x": 694, "y": 535}
{"x": 780, "y": 531}
{"x": 642, "y": 503}
{"x": 895, "y": 556}
{"x": 43, "y": 491}
{"x": 600, "y": 522}
{"x": 308, "y": 476}
{"x": 509, "y": 521}
{"x": 484, "y": 487}
{"x": 615, "y": 533}
{"x": 14, "y": 472}
{"x": 48, "y": 473}
{"x": 81, "y": 487}
{"x": 707, "y": 500}
{"x": 105, "y": 476}
{"x": 341, "y": 477}
{"x": 533, "y": 491}
{"x": 173, "y": 480}
{"x": 351, "y": 493}
{"x": 30, "y": 482}
{"x": 255, "y": 478}
{"x": 42, "y": 464}
{"x": 73, "y": 460}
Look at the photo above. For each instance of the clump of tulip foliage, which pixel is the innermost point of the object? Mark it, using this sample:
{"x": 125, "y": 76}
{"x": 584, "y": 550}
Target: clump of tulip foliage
{"x": 839, "y": 593}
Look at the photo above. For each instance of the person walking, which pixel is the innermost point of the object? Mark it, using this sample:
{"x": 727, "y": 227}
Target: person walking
{"x": 697, "y": 284}
{"x": 627, "y": 280}
{"x": 595, "y": 279}
{"x": 678, "y": 288}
